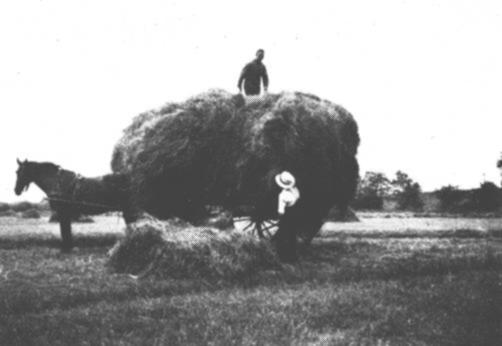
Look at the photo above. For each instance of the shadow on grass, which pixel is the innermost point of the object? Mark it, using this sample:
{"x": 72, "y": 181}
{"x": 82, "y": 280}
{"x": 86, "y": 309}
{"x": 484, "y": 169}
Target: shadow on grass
{"x": 450, "y": 310}
{"x": 341, "y": 261}
{"x": 457, "y": 233}
{"x": 79, "y": 241}
{"x": 460, "y": 309}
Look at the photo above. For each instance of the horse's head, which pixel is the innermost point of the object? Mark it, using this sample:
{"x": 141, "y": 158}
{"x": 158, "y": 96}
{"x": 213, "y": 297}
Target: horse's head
{"x": 24, "y": 177}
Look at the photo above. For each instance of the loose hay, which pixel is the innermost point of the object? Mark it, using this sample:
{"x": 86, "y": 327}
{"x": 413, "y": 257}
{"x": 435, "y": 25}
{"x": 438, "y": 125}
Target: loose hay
{"x": 170, "y": 249}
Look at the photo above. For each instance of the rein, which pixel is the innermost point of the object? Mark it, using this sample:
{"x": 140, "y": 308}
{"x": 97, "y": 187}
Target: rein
{"x": 57, "y": 198}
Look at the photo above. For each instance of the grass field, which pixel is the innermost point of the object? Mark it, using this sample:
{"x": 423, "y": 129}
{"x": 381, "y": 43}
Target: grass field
{"x": 382, "y": 281}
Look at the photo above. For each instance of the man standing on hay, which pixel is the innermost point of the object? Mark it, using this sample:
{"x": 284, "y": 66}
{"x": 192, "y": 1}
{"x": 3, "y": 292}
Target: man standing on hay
{"x": 252, "y": 74}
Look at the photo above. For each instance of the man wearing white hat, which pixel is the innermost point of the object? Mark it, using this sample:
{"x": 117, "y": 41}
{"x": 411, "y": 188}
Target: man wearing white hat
{"x": 289, "y": 194}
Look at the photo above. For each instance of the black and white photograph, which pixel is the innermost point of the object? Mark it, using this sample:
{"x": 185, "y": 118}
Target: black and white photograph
{"x": 324, "y": 172}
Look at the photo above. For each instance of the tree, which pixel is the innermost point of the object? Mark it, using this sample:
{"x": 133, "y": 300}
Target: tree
{"x": 372, "y": 188}
{"x": 450, "y": 198}
{"x": 407, "y": 192}
{"x": 499, "y": 165}
{"x": 487, "y": 197}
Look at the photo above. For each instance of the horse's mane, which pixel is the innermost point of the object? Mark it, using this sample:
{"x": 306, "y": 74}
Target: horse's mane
{"x": 44, "y": 166}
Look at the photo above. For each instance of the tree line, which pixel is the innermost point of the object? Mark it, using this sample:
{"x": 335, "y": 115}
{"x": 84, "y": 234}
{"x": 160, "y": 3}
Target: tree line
{"x": 375, "y": 188}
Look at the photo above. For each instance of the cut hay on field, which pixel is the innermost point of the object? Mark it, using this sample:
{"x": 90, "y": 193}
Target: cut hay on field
{"x": 216, "y": 149}
{"x": 172, "y": 249}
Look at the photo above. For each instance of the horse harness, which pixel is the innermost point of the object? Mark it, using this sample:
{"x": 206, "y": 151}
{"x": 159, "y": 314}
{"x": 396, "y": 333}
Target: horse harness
{"x": 67, "y": 194}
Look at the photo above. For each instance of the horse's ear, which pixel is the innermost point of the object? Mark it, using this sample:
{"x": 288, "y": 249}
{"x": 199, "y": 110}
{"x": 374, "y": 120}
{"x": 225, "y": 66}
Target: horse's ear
{"x": 18, "y": 161}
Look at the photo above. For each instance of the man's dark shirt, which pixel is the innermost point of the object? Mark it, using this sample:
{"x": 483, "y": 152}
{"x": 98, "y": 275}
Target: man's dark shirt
{"x": 251, "y": 74}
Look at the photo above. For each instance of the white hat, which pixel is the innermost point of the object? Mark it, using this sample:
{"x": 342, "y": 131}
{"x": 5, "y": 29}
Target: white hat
{"x": 285, "y": 180}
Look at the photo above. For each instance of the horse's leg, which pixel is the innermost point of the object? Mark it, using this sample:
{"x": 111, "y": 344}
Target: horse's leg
{"x": 128, "y": 216}
{"x": 130, "y": 213}
{"x": 129, "y": 208}
{"x": 65, "y": 227}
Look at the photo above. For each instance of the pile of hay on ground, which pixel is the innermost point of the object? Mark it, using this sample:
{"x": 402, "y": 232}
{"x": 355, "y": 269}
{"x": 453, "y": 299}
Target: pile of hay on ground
{"x": 176, "y": 250}
{"x": 218, "y": 149}
{"x": 337, "y": 215}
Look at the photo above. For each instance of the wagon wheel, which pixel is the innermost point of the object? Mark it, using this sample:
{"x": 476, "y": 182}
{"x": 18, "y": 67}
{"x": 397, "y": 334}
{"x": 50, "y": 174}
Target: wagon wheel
{"x": 264, "y": 228}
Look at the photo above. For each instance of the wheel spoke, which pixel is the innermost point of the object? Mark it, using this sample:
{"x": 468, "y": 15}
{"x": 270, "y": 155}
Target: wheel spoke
{"x": 249, "y": 225}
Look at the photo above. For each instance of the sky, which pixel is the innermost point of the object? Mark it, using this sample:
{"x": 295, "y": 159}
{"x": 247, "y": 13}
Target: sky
{"x": 423, "y": 79}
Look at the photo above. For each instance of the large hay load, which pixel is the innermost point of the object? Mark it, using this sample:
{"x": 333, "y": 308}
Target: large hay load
{"x": 214, "y": 149}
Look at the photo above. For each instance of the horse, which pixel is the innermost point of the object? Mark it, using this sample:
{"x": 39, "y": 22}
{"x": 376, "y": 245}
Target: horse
{"x": 71, "y": 195}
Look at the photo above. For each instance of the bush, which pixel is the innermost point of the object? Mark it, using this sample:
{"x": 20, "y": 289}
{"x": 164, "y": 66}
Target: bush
{"x": 7, "y": 213}
{"x": 30, "y": 214}
{"x": 371, "y": 191}
{"x": 407, "y": 192}
{"x": 410, "y": 198}
{"x": 487, "y": 197}
{"x": 23, "y": 206}
{"x": 4, "y": 207}
{"x": 451, "y": 199}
